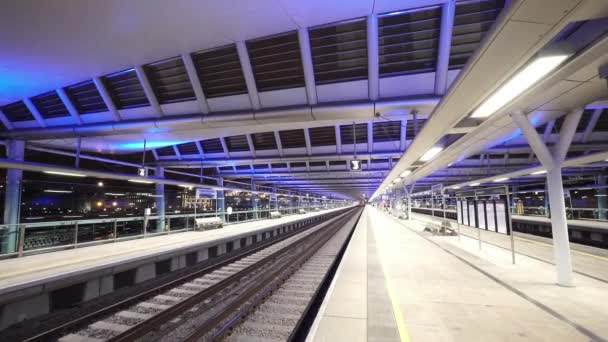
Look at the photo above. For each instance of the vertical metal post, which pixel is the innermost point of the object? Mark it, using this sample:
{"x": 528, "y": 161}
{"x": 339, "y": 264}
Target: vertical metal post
{"x": 75, "y": 234}
{"x": 510, "y": 224}
{"x": 21, "y": 239}
{"x": 159, "y": 191}
{"x": 115, "y": 229}
{"x": 478, "y": 229}
{"x": 458, "y": 222}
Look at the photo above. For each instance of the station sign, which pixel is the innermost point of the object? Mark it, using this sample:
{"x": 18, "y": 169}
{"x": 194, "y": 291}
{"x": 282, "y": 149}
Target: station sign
{"x": 355, "y": 165}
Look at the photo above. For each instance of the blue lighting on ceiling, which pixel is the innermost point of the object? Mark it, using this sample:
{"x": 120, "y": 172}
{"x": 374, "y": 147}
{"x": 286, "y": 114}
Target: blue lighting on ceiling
{"x": 149, "y": 144}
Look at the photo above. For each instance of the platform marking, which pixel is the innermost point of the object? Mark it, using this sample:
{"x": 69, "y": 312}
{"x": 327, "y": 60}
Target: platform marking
{"x": 394, "y": 298}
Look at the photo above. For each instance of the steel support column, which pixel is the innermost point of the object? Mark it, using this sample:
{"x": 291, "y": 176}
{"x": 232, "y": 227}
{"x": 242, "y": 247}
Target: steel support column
{"x": 552, "y": 161}
{"x": 220, "y": 205}
{"x": 602, "y": 199}
{"x": 272, "y": 202}
{"x": 160, "y": 200}
{"x": 12, "y": 197}
{"x": 254, "y": 200}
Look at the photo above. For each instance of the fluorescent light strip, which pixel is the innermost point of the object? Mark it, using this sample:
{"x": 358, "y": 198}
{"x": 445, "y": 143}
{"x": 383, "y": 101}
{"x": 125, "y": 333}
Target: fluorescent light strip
{"x": 406, "y": 173}
{"x": 113, "y": 194}
{"x": 140, "y": 181}
{"x": 474, "y": 184}
{"x": 396, "y": 180}
{"x": 501, "y": 180}
{"x": 539, "y": 172}
{"x": 64, "y": 174}
{"x": 431, "y": 153}
{"x": 523, "y": 80}
{"x": 59, "y": 191}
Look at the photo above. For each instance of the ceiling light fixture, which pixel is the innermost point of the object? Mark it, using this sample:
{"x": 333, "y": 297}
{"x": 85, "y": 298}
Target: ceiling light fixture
{"x": 396, "y": 180}
{"x": 59, "y": 191}
{"x": 474, "y": 184}
{"x": 539, "y": 172}
{"x": 431, "y": 153}
{"x": 523, "y": 80}
{"x": 501, "y": 179}
{"x": 58, "y": 173}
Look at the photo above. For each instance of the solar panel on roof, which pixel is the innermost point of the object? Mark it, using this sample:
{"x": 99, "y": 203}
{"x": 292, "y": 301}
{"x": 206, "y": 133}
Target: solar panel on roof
{"x": 322, "y": 136}
{"x": 412, "y": 126}
{"x": 220, "y": 71}
{"x": 86, "y": 98}
{"x": 50, "y": 106}
{"x": 276, "y": 62}
{"x": 237, "y": 143}
{"x": 387, "y": 131}
{"x": 339, "y": 51}
{"x": 264, "y": 141}
{"x": 408, "y": 42}
{"x": 17, "y": 112}
{"x": 188, "y": 148}
{"x": 170, "y": 81}
{"x": 471, "y": 23}
{"x": 212, "y": 146}
{"x": 166, "y": 151}
{"x": 125, "y": 89}
{"x": 292, "y": 138}
{"x": 346, "y": 134}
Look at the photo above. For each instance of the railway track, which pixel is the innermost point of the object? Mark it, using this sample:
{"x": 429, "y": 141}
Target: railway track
{"x": 215, "y": 294}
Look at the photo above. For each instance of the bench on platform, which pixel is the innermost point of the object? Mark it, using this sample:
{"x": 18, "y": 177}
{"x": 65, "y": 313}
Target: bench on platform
{"x": 443, "y": 228}
{"x": 208, "y": 222}
{"x": 275, "y": 214}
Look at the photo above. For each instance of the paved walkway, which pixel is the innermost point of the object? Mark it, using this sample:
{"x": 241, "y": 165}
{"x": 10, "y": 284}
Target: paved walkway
{"x": 440, "y": 289}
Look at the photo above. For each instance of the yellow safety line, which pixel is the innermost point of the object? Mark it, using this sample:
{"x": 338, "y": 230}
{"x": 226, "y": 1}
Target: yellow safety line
{"x": 392, "y": 294}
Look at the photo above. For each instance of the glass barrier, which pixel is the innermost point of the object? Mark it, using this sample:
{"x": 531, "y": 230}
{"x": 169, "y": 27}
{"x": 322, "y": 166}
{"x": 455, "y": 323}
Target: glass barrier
{"x": 48, "y": 236}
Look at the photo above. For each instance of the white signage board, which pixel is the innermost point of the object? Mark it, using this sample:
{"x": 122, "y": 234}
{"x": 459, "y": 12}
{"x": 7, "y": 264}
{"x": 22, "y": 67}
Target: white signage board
{"x": 465, "y": 213}
{"x": 481, "y": 217}
{"x": 471, "y": 206}
{"x": 459, "y": 211}
{"x": 501, "y": 218}
{"x": 491, "y": 217}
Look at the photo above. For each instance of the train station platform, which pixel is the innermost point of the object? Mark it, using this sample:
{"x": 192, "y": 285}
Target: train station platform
{"x": 27, "y": 283}
{"x": 398, "y": 283}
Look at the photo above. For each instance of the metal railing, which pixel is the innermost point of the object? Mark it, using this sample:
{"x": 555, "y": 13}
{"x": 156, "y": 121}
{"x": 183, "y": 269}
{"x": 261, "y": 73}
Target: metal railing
{"x": 39, "y": 237}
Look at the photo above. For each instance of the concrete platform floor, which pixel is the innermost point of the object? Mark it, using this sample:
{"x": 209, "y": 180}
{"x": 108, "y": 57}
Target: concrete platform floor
{"x": 33, "y": 269}
{"x": 443, "y": 289}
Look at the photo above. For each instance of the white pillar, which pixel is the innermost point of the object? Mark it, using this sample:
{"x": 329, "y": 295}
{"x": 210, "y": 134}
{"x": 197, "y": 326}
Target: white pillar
{"x": 12, "y": 197}
{"x": 559, "y": 224}
{"x": 552, "y": 161}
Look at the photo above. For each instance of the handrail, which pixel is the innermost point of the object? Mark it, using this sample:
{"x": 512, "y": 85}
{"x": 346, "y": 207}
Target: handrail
{"x": 74, "y": 229}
